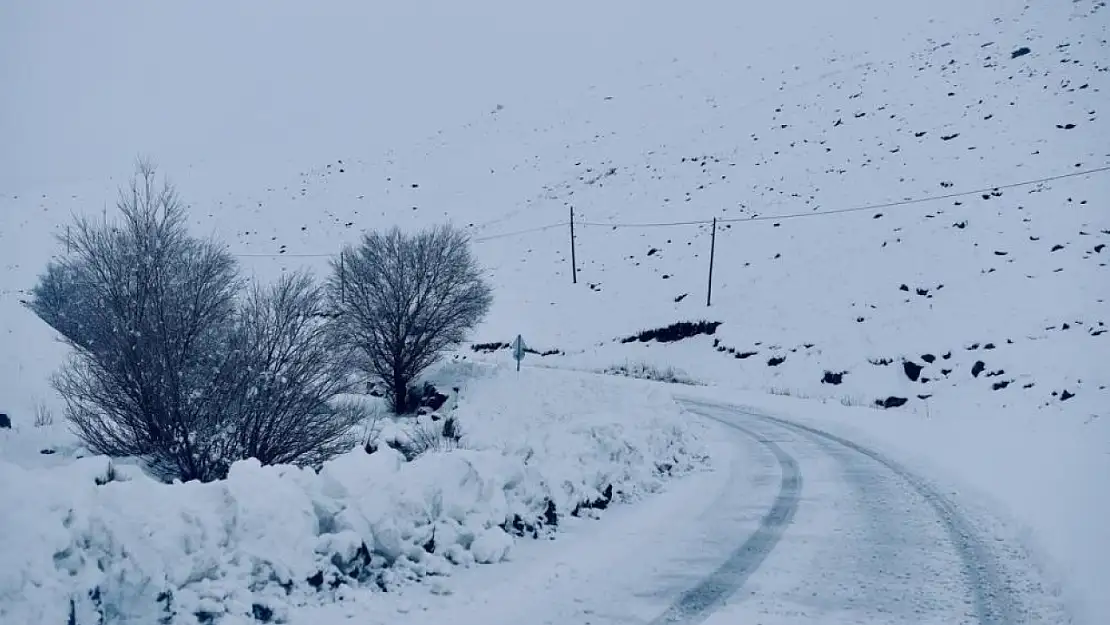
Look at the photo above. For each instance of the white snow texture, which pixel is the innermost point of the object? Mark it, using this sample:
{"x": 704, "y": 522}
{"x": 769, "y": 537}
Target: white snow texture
{"x": 137, "y": 551}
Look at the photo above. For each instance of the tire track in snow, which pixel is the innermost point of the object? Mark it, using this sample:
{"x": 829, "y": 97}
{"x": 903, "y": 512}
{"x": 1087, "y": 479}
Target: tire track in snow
{"x": 697, "y": 603}
{"x": 994, "y": 600}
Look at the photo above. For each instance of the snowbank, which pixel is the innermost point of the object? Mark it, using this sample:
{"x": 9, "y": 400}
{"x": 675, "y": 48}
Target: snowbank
{"x": 87, "y": 540}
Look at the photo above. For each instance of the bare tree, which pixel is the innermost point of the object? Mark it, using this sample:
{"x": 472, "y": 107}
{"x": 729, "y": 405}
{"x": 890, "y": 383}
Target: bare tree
{"x": 401, "y": 300}
{"x": 167, "y": 365}
{"x": 292, "y": 367}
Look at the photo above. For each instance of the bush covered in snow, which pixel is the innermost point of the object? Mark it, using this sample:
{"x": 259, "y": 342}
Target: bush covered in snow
{"x": 80, "y": 548}
{"x": 646, "y": 371}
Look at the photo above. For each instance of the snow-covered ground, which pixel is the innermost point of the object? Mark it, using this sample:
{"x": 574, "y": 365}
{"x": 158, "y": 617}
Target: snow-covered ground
{"x": 292, "y": 127}
{"x": 536, "y": 446}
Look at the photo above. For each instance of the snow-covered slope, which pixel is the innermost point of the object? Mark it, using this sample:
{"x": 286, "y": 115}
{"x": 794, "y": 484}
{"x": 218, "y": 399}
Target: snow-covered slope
{"x": 294, "y": 128}
{"x": 742, "y": 126}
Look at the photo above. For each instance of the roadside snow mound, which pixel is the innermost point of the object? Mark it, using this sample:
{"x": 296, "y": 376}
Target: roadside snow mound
{"x": 86, "y": 543}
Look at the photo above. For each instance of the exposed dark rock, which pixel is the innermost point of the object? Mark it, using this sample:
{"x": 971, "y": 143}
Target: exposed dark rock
{"x": 426, "y": 397}
{"x": 545, "y": 353}
{"x": 912, "y": 369}
{"x": 743, "y": 355}
{"x": 261, "y": 613}
{"x": 5, "y": 422}
{"x": 680, "y": 298}
{"x": 517, "y": 526}
{"x": 880, "y": 362}
{"x": 989, "y": 346}
{"x": 945, "y": 372}
{"x": 674, "y": 332}
{"x": 929, "y": 358}
{"x": 775, "y": 361}
{"x": 1001, "y": 384}
{"x": 653, "y": 251}
{"x": 1066, "y": 395}
{"x": 832, "y": 377}
{"x": 550, "y": 518}
{"x": 1057, "y": 247}
{"x": 977, "y": 368}
{"x": 1022, "y": 51}
{"x": 924, "y": 397}
{"x": 600, "y": 503}
{"x": 489, "y": 347}
{"x": 891, "y": 402}
{"x": 947, "y": 355}
{"x": 904, "y": 288}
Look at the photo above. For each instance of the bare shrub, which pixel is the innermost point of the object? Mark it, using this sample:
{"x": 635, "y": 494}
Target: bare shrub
{"x": 645, "y": 371}
{"x": 168, "y": 365}
{"x": 44, "y": 416}
{"x": 423, "y": 437}
{"x": 402, "y": 300}
{"x": 290, "y": 365}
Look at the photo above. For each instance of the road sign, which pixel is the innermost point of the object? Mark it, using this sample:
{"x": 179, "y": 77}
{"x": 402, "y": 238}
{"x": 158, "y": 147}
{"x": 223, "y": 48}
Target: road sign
{"x": 518, "y": 350}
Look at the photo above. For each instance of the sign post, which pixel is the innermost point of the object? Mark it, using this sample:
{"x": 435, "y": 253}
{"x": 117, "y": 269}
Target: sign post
{"x": 518, "y": 350}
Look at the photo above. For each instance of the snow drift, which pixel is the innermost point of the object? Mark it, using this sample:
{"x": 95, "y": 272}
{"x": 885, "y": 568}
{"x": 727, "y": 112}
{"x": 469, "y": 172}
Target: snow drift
{"x": 90, "y": 540}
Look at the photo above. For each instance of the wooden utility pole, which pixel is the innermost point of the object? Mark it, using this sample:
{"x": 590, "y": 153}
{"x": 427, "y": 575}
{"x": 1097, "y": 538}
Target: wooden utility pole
{"x": 573, "y": 260}
{"x": 712, "y": 251}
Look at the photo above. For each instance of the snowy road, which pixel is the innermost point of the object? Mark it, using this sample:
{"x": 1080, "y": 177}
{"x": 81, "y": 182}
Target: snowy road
{"x": 794, "y": 526}
{"x": 855, "y": 537}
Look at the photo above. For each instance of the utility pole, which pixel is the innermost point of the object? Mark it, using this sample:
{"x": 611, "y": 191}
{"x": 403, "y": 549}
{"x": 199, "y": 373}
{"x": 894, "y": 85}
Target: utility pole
{"x": 573, "y": 260}
{"x": 712, "y": 251}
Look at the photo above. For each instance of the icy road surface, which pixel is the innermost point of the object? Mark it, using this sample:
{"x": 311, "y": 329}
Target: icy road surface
{"x": 865, "y": 541}
{"x": 795, "y": 526}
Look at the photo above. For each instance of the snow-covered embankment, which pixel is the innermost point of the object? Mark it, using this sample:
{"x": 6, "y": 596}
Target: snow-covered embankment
{"x": 268, "y": 538}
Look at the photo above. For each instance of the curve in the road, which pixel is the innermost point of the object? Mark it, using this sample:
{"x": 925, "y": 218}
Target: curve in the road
{"x": 993, "y": 600}
{"x": 697, "y": 603}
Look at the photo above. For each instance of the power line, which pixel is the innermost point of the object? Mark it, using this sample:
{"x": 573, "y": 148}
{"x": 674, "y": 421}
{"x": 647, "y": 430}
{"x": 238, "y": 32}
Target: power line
{"x": 520, "y": 232}
{"x": 920, "y": 200}
{"x": 281, "y": 255}
{"x": 698, "y": 222}
{"x": 853, "y": 209}
{"x": 475, "y": 240}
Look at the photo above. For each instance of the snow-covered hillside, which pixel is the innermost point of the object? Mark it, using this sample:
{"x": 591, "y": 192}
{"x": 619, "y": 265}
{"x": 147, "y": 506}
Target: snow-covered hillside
{"x": 737, "y": 130}
{"x": 911, "y": 197}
